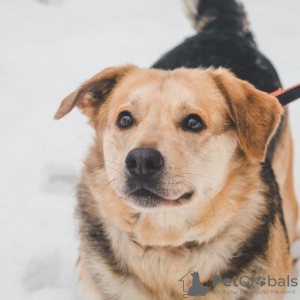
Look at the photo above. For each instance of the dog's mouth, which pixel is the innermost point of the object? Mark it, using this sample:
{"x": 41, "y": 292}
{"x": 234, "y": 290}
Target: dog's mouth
{"x": 148, "y": 199}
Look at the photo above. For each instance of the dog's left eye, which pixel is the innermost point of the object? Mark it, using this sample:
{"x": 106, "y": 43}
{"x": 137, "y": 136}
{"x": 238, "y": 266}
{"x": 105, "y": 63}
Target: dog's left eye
{"x": 125, "y": 120}
{"x": 193, "y": 123}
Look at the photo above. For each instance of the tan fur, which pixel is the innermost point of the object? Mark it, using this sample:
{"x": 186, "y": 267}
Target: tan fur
{"x": 279, "y": 261}
{"x": 283, "y": 168}
{"x": 220, "y": 165}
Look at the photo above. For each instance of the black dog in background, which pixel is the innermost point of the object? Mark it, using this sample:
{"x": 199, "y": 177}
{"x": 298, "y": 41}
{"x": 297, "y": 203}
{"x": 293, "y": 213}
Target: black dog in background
{"x": 223, "y": 40}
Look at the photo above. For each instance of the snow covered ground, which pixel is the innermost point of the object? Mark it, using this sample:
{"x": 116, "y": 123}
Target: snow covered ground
{"x": 48, "y": 47}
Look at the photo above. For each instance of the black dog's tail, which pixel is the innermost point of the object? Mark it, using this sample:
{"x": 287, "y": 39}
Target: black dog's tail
{"x": 228, "y": 14}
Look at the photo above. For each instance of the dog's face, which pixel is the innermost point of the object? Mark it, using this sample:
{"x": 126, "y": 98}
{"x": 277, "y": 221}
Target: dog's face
{"x": 168, "y": 137}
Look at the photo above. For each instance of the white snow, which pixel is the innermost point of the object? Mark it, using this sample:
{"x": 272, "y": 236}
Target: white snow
{"x": 48, "y": 47}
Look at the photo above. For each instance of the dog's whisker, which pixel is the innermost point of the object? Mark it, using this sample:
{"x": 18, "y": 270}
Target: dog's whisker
{"x": 219, "y": 193}
{"x": 110, "y": 167}
{"x": 193, "y": 189}
{"x": 211, "y": 203}
{"x": 199, "y": 175}
{"x": 113, "y": 162}
{"x": 109, "y": 183}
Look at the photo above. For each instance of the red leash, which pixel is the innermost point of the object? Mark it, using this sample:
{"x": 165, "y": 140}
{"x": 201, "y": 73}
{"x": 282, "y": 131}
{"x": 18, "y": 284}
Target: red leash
{"x": 286, "y": 96}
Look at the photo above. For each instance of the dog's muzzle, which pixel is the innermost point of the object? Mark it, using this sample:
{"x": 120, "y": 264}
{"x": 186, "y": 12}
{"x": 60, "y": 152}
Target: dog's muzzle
{"x": 145, "y": 168}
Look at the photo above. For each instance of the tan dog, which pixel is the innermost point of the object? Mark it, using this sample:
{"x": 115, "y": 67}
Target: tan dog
{"x": 176, "y": 182}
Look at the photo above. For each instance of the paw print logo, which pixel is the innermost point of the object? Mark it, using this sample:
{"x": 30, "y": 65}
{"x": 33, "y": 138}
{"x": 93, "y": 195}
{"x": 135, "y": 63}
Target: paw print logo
{"x": 261, "y": 281}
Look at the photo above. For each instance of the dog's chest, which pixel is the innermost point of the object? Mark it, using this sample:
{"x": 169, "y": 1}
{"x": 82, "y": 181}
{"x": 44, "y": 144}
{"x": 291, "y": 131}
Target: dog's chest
{"x": 160, "y": 270}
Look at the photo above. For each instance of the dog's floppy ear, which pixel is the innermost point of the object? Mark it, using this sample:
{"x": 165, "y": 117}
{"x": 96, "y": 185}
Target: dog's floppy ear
{"x": 93, "y": 92}
{"x": 255, "y": 114}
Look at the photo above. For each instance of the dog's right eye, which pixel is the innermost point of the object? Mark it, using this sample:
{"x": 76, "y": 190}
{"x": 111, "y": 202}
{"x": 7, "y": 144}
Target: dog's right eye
{"x": 193, "y": 123}
{"x": 125, "y": 120}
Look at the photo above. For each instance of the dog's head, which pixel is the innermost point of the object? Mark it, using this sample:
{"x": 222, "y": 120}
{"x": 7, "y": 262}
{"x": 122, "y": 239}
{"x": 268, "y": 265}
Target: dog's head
{"x": 168, "y": 137}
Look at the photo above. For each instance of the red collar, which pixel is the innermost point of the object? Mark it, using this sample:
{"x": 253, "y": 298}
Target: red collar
{"x": 286, "y": 96}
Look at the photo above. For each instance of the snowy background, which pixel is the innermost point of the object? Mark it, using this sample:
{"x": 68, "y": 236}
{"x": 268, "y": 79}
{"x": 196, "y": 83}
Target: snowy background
{"x": 47, "y": 48}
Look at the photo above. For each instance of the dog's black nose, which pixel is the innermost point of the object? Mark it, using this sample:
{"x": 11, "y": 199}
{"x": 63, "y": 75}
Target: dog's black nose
{"x": 144, "y": 162}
